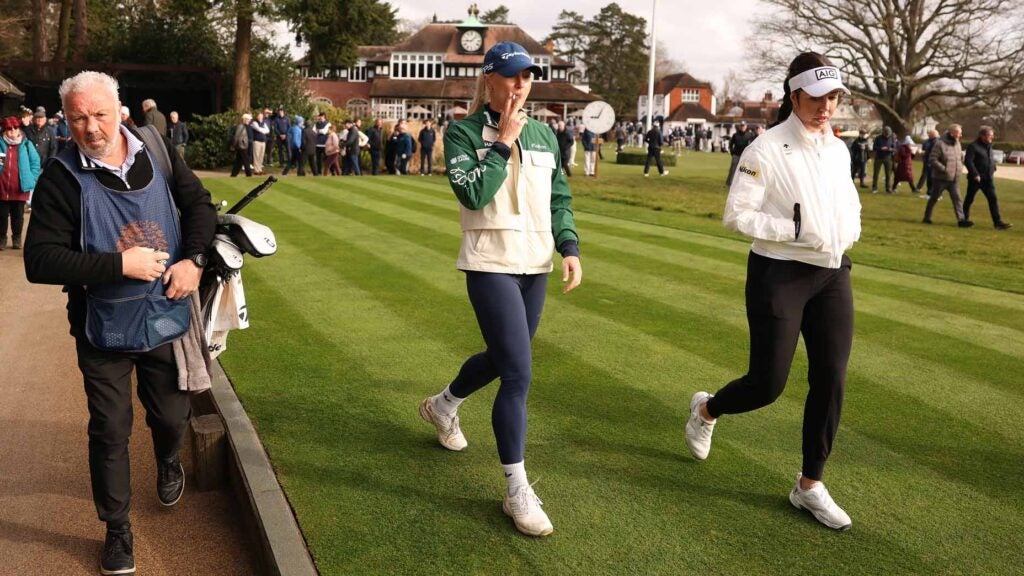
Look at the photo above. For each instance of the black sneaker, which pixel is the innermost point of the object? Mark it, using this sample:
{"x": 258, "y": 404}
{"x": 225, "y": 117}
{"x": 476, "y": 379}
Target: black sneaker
{"x": 118, "y": 557}
{"x": 170, "y": 480}
{"x": 965, "y": 224}
{"x": 1004, "y": 226}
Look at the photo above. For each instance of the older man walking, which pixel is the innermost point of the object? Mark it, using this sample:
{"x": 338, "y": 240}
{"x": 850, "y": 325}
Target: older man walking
{"x": 980, "y": 171}
{"x": 946, "y": 162}
{"x": 128, "y": 263}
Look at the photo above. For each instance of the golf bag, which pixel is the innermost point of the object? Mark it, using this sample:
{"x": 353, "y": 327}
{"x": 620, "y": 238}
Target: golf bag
{"x": 221, "y": 297}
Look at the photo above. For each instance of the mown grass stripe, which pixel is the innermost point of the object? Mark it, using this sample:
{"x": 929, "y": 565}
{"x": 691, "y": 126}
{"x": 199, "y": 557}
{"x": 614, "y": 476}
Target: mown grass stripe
{"x": 694, "y": 299}
{"x": 683, "y": 298}
{"x": 943, "y": 288}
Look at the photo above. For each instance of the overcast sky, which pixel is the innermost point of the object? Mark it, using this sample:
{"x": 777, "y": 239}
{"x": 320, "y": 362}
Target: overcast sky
{"x": 706, "y": 35}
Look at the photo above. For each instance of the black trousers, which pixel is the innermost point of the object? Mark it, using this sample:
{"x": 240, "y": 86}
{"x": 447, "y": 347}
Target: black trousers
{"x": 784, "y": 299}
{"x": 320, "y": 155}
{"x": 988, "y": 188}
{"x": 656, "y": 154}
{"x": 281, "y": 145}
{"x": 859, "y": 169}
{"x": 374, "y": 161}
{"x": 109, "y": 394}
{"x": 16, "y": 212}
{"x": 733, "y": 163}
{"x": 426, "y": 160}
{"x": 243, "y": 159}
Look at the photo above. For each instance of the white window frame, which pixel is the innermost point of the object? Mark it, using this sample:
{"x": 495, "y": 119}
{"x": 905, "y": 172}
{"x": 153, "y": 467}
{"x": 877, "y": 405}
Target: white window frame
{"x": 691, "y": 95}
{"x": 418, "y": 66}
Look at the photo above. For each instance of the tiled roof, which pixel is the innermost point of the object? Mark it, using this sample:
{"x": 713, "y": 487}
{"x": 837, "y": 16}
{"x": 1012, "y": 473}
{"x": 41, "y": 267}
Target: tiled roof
{"x": 443, "y": 38}
{"x": 688, "y": 110}
{"x": 681, "y": 80}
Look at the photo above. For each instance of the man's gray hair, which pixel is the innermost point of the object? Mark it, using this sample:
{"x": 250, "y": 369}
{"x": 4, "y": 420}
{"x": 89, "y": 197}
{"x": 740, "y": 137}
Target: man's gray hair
{"x": 83, "y": 80}
{"x": 148, "y": 103}
{"x": 985, "y": 130}
{"x": 953, "y": 127}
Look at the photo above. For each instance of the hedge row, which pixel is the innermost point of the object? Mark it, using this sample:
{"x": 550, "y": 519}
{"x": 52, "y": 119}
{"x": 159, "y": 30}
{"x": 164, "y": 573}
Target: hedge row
{"x": 1008, "y": 146}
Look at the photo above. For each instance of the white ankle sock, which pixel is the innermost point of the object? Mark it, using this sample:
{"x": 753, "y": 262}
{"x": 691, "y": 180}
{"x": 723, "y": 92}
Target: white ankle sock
{"x": 515, "y": 475}
{"x": 446, "y": 402}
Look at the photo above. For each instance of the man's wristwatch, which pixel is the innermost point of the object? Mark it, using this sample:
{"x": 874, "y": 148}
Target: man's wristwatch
{"x": 199, "y": 259}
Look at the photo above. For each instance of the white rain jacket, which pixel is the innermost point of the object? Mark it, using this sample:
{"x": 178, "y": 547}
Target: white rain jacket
{"x": 787, "y": 165}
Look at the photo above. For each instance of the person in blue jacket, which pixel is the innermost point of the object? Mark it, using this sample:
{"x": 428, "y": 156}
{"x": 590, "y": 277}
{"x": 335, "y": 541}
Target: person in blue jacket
{"x": 294, "y": 144}
{"x": 403, "y": 148}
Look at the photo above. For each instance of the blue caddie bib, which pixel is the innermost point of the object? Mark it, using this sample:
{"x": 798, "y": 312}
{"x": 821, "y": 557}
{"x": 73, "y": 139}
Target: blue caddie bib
{"x": 131, "y": 315}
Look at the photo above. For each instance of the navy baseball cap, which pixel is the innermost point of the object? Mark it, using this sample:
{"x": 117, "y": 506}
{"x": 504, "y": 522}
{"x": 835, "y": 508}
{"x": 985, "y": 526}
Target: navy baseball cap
{"x": 509, "y": 59}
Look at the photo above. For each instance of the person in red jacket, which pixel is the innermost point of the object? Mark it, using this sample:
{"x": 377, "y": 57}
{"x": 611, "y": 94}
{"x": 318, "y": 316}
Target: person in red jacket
{"x": 905, "y": 165}
{"x": 19, "y": 170}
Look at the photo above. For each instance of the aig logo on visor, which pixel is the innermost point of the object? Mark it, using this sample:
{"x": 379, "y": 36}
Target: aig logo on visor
{"x": 822, "y": 73}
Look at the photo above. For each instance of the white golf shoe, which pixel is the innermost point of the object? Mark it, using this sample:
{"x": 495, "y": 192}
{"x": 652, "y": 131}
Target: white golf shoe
{"x": 698, "y": 432}
{"x": 525, "y": 509}
{"x": 448, "y": 432}
{"x": 818, "y": 502}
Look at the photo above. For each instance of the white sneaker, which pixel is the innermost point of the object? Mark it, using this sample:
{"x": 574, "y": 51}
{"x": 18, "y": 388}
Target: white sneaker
{"x": 448, "y": 432}
{"x": 817, "y": 501}
{"x": 665, "y": 173}
{"x": 698, "y": 432}
{"x": 525, "y": 509}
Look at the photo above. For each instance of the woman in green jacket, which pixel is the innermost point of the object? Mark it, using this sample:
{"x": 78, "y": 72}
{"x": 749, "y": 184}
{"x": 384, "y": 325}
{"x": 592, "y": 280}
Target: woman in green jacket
{"x": 515, "y": 210}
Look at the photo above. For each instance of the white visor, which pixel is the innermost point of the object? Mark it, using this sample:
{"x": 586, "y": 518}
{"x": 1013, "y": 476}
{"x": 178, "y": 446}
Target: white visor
{"x": 818, "y": 81}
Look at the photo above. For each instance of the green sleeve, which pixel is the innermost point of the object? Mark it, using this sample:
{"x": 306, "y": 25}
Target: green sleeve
{"x": 475, "y": 182}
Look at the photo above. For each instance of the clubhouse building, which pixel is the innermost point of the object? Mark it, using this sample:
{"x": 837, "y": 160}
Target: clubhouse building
{"x": 433, "y": 74}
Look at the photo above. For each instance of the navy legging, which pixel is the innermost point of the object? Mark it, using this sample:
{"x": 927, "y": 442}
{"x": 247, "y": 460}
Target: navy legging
{"x": 508, "y": 310}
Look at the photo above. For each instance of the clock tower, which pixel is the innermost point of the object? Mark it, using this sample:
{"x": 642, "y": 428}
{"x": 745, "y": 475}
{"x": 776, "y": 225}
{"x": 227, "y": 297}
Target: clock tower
{"x": 471, "y": 33}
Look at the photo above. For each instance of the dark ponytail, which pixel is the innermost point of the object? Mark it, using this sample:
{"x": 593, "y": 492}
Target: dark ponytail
{"x": 802, "y": 63}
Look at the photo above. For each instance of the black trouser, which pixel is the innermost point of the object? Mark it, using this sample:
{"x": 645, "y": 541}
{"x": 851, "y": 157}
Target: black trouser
{"x": 108, "y": 391}
{"x": 926, "y": 176}
{"x": 402, "y": 164}
{"x": 859, "y": 169}
{"x": 508, "y": 311}
{"x": 351, "y": 164}
{"x": 880, "y": 163}
{"x": 16, "y": 212}
{"x": 243, "y": 159}
{"x": 426, "y": 160}
{"x": 566, "y": 159}
{"x": 374, "y": 161}
{"x": 784, "y": 299}
{"x": 310, "y": 159}
{"x": 281, "y": 145}
{"x": 294, "y": 159}
{"x": 321, "y": 152}
{"x": 732, "y": 169}
{"x": 988, "y": 188}
{"x": 656, "y": 154}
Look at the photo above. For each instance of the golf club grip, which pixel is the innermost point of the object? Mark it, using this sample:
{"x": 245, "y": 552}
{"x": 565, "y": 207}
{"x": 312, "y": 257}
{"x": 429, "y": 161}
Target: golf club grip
{"x": 252, "y": 195}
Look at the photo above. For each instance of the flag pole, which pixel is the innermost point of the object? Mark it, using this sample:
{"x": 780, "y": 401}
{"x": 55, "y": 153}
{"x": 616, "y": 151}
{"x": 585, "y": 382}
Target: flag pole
{"x": 650, "y": 69}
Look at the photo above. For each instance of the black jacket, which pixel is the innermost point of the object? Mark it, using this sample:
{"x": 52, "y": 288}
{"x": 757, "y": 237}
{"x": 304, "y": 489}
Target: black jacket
{"x": 427, "y": 138}
{"x": 178, "y": 133}
{"x": 739, "y": 141}
{"x": 375, "y": 138}
{"x": 654, "y": 139}
{"x": 53, "y": 251}
{"x": 45, "y": 140}
{"x": 978, "y": 160}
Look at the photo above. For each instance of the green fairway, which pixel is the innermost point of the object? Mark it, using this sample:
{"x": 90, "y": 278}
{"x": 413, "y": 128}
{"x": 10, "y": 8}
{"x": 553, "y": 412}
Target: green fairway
{"x": 362, "y": 314}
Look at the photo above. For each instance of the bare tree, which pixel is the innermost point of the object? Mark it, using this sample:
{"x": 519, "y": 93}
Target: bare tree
{"x": 907, "y": 57}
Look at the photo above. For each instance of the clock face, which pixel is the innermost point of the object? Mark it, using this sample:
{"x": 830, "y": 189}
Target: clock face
{"x": 598, "y": 117}
{"x": 471, "y": 41}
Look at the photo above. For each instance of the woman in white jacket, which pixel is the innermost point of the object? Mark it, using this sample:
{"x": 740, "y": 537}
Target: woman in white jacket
{"x": 793, "y": 195}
